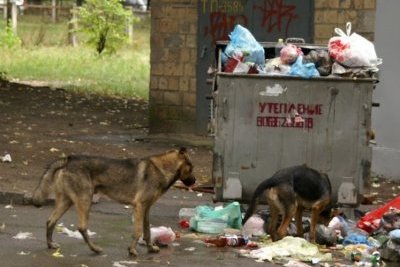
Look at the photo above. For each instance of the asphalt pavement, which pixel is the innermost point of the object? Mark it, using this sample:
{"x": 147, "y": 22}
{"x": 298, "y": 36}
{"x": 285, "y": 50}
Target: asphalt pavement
{"x": 111, "y": 226}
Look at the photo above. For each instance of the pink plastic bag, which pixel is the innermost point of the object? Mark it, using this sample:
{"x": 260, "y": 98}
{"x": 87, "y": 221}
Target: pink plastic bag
{"x": 372, "y": 221}
{"x": 352, "y": 50}
{"x": 161, "y": 235}
{"x": 289, "y": 53}
{"x": 254, "y": 226}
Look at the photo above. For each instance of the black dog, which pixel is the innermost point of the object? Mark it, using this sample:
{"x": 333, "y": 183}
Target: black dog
{"x": 288, "y": 192}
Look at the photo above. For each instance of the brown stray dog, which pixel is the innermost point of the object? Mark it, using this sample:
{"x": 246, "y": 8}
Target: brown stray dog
{"x": 135, "y": 181}
{"x": 288, "y": 192}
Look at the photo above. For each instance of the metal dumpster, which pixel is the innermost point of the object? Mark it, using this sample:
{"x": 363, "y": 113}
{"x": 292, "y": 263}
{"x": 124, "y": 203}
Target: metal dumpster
{"x": 265, "y": 123}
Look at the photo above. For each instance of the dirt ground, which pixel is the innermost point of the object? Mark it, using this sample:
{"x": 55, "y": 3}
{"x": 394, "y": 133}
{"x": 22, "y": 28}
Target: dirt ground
{"x": 39, "y": 124}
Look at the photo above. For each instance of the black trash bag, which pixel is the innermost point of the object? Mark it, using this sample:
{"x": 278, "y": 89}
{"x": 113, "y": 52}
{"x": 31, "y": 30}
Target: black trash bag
{"x": 390, "y": 251}
{"x": 325, "y": 236}
{"x": 321, "y": 59}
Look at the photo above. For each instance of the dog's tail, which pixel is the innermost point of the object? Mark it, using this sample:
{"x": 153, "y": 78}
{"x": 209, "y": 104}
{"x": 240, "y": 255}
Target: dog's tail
{"x": 43, "y": 189}
{"x": 257, "y": 193}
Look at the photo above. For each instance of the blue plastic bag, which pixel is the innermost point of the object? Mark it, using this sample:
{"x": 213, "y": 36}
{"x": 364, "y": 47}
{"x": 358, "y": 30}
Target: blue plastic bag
{"x": 242, "y": 40}
{"x": 306, "y": 70}
{"x": 355, "y": 238}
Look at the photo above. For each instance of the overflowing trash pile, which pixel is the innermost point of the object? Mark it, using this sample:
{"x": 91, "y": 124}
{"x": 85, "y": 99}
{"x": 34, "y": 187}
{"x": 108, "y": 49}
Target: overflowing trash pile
{"x": 370, "y": 241}
{"x": 346, "y": 55}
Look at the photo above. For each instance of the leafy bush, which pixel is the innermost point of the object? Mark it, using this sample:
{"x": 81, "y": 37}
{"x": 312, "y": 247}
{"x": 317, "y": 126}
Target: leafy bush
{"x": 8, "y": 38}
{"x": 104, "y": 21}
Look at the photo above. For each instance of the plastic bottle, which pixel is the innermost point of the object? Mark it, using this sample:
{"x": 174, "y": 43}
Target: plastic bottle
{"x": 232, "y": 241}
{"x": 278, "y": 47}
{"x": 187, "y": 213}
{"x": 184, "y": 217}
{"x": 365, "y": 258}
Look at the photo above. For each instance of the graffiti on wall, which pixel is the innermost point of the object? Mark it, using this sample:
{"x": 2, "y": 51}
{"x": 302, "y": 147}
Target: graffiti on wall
{"x": 223, "y": 15}
{"x": 276, "y": 15}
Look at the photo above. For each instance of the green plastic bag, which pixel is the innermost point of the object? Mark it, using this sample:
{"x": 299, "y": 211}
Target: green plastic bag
{"x": 212, "y": 220}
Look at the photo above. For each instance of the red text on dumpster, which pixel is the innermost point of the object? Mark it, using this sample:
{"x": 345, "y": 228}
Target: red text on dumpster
{"x": 294, "y": 115}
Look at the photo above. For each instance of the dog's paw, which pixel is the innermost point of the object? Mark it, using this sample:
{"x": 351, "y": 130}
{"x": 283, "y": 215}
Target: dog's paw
{"x": 153, "y": 249}
{"x": 132, "y": 252}
{"x": 96, "y": 249}
{"x": 53, "y": 245}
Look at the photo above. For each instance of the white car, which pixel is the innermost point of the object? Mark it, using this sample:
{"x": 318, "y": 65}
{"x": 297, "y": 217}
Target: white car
{"x": 138, "y": 4}
{"x": 18, "y": 2}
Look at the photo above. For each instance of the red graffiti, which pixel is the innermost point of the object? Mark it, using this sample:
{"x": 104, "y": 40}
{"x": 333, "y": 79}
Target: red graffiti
{"x": 222, "y": 24}
{"x": 289, "y": 108}
{"x": 275, "y": 14}
{"x": 286, "y": 122}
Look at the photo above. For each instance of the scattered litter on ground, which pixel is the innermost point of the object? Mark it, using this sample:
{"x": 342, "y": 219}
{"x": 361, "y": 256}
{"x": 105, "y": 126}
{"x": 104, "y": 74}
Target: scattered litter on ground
{"x": 57, "y": 254}
{"x": 213, "y": 220}
{"x": 124, "y": 263}
{"x": 23, "y": 253}
{"x": 372, "y": 221}
{"x": 376, "y": 185}
{"x": 290, "y": 247}
{"x": 75, "y": 234}
{"x": 200, "y": 188}
{"x": 293, "y": 263}
{"x": 227, "y": 240}
{"x": 190, "y": 249}
{"x": 6, "y": 158}
{"x": 184, "y": 223}
{"x": 160, "y": 235}
{"x": 9, "y": 206}
{"x": 23, "y": 236}
{"x": 254, "y": 226}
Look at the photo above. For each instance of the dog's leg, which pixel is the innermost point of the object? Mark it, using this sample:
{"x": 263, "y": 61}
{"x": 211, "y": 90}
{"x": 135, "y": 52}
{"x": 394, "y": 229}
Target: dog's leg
{"x": 147, "y": 233}
{"x": 274, "y": 216}
{"x": 316, "y": 210}
{"x": 61, "y": 206}
{"x": 138, "y": 214}
{"x": 287, "y": 216}
{"x": 83, "y": 208}
{"x": 299, "y": 220}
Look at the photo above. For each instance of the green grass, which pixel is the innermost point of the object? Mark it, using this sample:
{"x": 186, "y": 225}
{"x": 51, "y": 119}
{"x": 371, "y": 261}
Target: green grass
{"x": 45, "y": 56}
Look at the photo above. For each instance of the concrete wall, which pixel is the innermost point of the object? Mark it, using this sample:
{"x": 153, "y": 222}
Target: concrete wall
{"x": 174, "y": 54}
{"x": 386, "y": 118}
